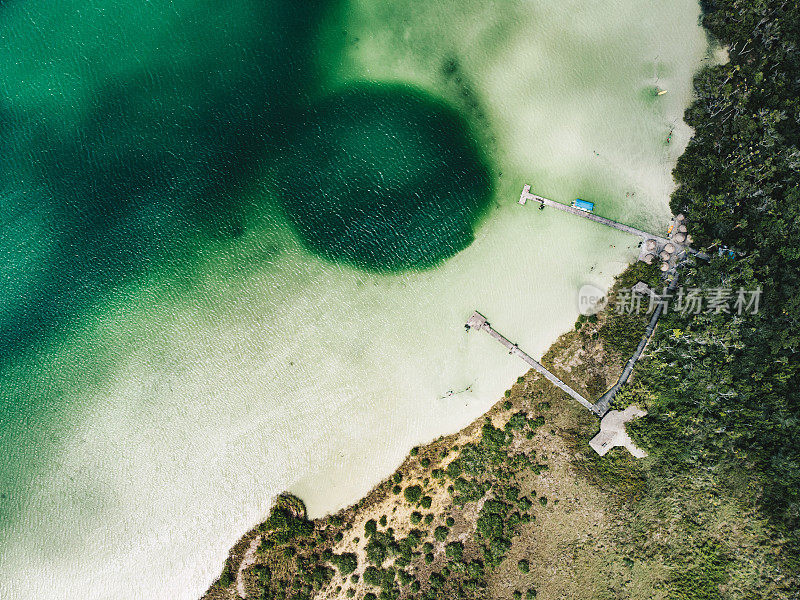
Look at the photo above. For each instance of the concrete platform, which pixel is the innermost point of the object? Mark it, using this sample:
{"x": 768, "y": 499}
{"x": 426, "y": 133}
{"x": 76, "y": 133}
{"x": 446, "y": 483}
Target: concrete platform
{"x": 613, "y": 434}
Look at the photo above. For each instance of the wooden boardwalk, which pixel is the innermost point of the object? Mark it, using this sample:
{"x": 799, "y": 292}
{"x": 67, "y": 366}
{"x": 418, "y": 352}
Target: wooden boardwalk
{"x": 478, "y": 321}
{"x": 527, "y": 195}
{"x": 604, "y": 403}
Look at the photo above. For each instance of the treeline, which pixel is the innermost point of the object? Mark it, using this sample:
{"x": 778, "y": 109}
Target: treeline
{"x": 727, "y": 385}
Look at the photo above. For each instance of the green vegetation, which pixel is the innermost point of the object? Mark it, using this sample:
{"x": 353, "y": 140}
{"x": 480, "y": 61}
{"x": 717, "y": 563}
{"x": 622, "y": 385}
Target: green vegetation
{"x": 721, "y": 387}
{"x": 738, "y": 185}
{"x": 413, "y": 493}
{"x": 714, "y": 512}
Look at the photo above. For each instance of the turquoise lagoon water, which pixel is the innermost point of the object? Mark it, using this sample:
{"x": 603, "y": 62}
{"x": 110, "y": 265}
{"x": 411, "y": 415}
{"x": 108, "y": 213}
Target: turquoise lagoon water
{"x": 239, "y": 243}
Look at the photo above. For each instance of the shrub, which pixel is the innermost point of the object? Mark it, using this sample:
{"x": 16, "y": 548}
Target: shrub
{"x": 376, "y": 552}
{"x": 475, "y": 569}
{"x": 454, "y": 550}
{"x": 524, "y": 566}
{"x": 450, "y": 521}
{"x": 414, "y": 451}
{"x": 370, "y": 527}
{"x": 543, "y": 500}
{"x": 428, "y": 519}
{"x": 517, "y": 595}
{"x": 426, "y": 502}
{"x": 425, "y": 462}
{"x": 346, "y": 562}
{"x": 416, "y": 517}
{"x": 397, "y": 477}
{"x": 454, "y": 469}
{"x": 413, "y": 493}
{"x": 530, "y": 594}
{"x": 429, "y": 557}
{"x": 372, "y": 576}
{"x": 440, "y": 533}
{"x": 507, "y": 404}
{"x": 383, "y": 521}
{"x": 286, "y": 527}
{"x": 370, "y": 596}
{"x": 518, "y": 420}
{"x": 225, "y": 579}
{"x": 396, "y": 489}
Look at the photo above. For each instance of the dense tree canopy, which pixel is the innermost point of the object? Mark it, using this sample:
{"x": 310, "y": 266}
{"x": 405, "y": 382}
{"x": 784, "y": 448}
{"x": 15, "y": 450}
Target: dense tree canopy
{"x": 728, "y": 385}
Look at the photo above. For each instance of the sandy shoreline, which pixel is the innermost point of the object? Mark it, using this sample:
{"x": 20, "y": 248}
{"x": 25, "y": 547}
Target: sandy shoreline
{"x": 555, "y": 440}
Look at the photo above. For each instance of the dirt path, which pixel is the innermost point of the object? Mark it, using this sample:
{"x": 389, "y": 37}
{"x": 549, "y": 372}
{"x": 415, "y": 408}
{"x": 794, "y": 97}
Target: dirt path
{"x": 247, "y": 560}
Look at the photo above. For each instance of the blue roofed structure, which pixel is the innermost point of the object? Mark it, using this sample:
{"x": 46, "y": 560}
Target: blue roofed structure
{"x": 583, "y": 205}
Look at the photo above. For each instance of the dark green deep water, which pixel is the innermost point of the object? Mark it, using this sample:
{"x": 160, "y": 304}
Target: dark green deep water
{"x": 114, "y": 153}
{"x": 384, "y": 177}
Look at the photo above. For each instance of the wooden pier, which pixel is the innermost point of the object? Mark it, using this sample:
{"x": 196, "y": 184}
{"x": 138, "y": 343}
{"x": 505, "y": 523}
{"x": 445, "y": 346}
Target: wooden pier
{"x": 527, "y": 195}
{"x": 478, "y": 321}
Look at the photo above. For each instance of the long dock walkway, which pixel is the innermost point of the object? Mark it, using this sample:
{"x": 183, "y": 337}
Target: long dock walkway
{"x": 478, "y": 321}
{"x": 527, "y": 195}
{"x": 604, "y": 403}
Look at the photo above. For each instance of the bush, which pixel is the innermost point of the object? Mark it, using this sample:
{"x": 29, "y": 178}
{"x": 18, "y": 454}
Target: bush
{"x": 416, "y": 517}
{"x": 524, "y": 566}
{"x": 454, "y": 550}
{"x": 413, "y": 493}
{"x": 454, "y": 469}
{"x": 450, "y": 521}
{"x": 426, "y": 502}
{"x": 383, "y": 521}
{"x": 225, "y": 579}
{"x": 429, "y": 557}
{"x": 475, "y": 569}
{"x": 376, "y": 552}
{"x": 440, "y": 533}
{"x": 428, "y": 519}
{"x": 396, "y": 489}
{"x": 372, "y": 576}
{"x": 425, "y": 462}
{"x": 346, "y": 563}
{"x": 370, "y": 527}
{"x": 436, "y": 580}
